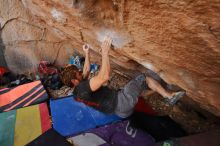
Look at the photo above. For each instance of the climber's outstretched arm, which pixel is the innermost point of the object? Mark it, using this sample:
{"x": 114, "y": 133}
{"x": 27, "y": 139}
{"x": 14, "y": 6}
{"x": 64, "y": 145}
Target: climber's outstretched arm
{"x": 103, "y": 76}
{"x": 86, "y": 67}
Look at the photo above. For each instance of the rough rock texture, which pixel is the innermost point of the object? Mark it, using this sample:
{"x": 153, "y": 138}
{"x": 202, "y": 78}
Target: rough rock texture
{"x": 180, "y": 40}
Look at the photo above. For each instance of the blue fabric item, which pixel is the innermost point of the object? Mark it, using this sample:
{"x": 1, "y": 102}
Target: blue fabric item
{"x": 75, "y": 60}
{"x": 70, "y": 117}
{"x": 94, "y": 67}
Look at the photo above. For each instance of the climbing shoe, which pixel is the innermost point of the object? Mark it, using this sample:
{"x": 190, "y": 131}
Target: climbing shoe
{"x": 175, "y": 98}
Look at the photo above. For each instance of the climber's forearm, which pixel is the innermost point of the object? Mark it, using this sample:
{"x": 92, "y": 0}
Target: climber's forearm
{"x": 104, "y": 73}
{"x": 105, "y": 68}
{"x": 86, "y": 67}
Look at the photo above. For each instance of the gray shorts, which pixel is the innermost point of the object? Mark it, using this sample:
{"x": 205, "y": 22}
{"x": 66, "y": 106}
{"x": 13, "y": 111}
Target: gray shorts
{"x": 128, "y": 97}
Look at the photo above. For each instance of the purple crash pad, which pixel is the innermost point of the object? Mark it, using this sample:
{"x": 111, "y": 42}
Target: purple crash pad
{"x": 120, "y": 133}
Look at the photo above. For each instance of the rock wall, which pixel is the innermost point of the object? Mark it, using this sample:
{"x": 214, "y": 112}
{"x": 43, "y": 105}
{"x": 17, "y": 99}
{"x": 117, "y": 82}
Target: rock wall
{"x": 180, "y": 40}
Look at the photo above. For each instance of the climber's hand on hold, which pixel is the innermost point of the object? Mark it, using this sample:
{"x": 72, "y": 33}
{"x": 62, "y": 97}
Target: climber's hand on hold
{"x": 86, "y": 48}
{"x": 106, "y": 45}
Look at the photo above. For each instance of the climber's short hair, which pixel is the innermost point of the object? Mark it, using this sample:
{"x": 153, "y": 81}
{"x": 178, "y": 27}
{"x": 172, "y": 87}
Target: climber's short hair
{"x": 68, "y": 74}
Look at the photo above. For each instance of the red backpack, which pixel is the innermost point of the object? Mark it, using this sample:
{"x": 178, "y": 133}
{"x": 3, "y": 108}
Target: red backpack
{"x": 46, "y": 68}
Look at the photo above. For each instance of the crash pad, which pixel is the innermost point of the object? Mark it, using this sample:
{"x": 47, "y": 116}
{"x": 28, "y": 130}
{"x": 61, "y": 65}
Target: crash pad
{"x": 120, "y": 133}
{"x": 19, "y": 127}
{"x": 50, "y": 138}
{"x": 70, "y": 117}
{"x": 22, "y": 96}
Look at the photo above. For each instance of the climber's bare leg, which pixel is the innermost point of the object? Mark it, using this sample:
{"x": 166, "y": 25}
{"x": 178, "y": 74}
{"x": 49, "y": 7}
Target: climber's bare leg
{"x": 155, "y": 86}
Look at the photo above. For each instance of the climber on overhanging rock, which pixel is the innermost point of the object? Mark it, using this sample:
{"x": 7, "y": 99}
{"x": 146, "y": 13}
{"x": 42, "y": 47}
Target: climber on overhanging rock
{"x": 122, "y": 102}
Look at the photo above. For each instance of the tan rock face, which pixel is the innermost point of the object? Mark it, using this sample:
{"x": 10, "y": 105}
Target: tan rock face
{"x": 180, "y": 40}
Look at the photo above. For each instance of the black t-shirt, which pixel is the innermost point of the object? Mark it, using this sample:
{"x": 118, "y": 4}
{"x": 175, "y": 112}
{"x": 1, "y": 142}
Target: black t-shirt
{"x": 104, "y": 99}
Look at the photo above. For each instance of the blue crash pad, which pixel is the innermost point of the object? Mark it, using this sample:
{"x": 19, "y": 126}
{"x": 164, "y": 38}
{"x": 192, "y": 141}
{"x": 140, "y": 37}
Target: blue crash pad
{"x": 70, "y": 117}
